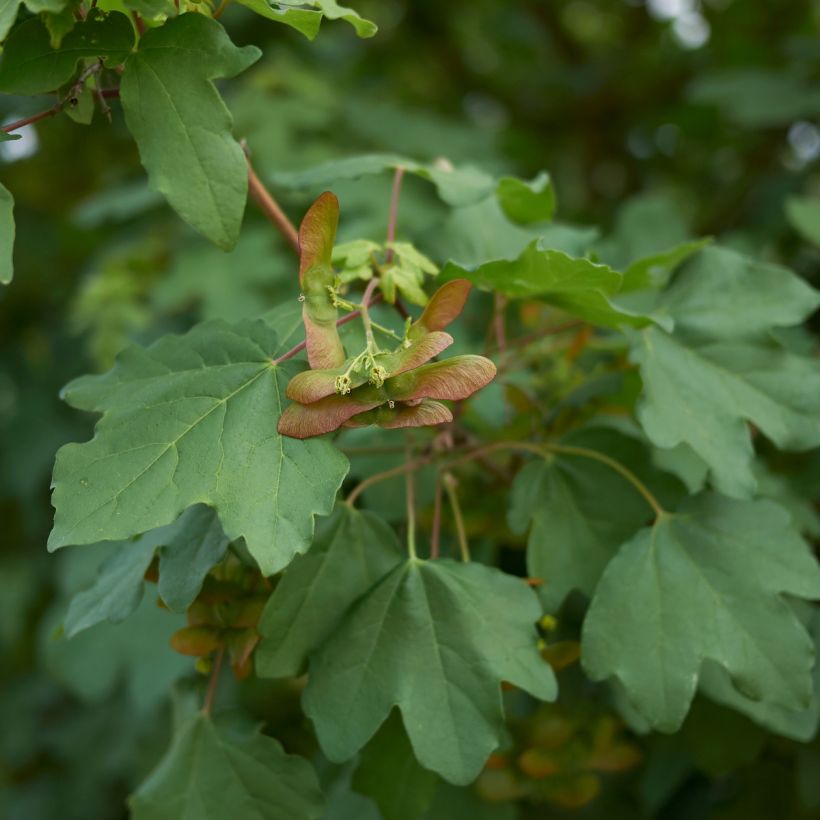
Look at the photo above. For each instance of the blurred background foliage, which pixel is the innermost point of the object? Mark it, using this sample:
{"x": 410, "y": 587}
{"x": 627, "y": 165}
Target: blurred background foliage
{"x": 658, "y": 121}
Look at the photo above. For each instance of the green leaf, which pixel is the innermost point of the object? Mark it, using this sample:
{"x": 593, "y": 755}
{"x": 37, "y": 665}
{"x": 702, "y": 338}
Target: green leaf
{"x": 706, "y": 583}
{"x": 702, "y": 383}
{"x": 578, "y": 286}
{"x": 527, "y": 202}
{"x": 216, "y": 769}
{"x": 8, "y": 14}
{"x": 333, "y": 11}
{"x": 580, "y": 510}
{"x": 136, "y": 653}
{"x": 305, "y": 21}
{"x": 455, "y": 186}
{"x": 356, "y": 550}
{"x": 389, "y": 773}
{"x": 645, "y": 226}
{"x": 61, "y": 22}
{"x": 803, "y": 214}
{"x": 188, "y": 549}
{"x": 82, "y": 109}
{"x": 654, "y": 271}
{"x": 434, "y": 639}
{"x": 6, "y": 236}
{"x": 117, "y": 592}
{"x": 702, "y": 395}
{"x": 724, "y": 295}
{"x": 45, "y": 6}
{"x": 30, "y": 65}
{"x": 192, "y": 419}
{"x": 181, "y": 125}
{"x": 798, "y": 725}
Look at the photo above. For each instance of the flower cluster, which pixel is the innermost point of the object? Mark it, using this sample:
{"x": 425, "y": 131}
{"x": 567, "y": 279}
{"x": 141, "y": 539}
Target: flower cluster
{"x": 390, "y": 388}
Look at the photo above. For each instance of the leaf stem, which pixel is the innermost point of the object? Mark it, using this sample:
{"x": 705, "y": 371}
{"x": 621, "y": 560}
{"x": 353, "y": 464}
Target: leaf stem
{"x": 296, "y": 349}
{"x": 450, "y": 485}
{"x": 270, "y": 207}
{"x": 376, "y": 478}
{"x": 435, "y": 532}
{"x": 619, "y": 468}
{"x": 365, "y": 314}
{"x": 213, "y": 681}
{"x": 55, "y": 109}
{"x": 523, "y": 446}
{"x": 393, "y": 219}
{"x": 410, "y": 485}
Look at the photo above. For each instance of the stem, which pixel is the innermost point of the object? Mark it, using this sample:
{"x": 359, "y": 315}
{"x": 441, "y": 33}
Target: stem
{"x": 436, "y": 529}
{"x": 50, "y": 112}
{"x": 220, "y": 9}
{"x": 296, "y": 349}
{"x": 570, "y": 450}
{"x": 450, "y": 484}
{"x": 138, "y": 22}
{"x": 270, "y": 207}
{"x": 60, "y": 104}
{"x": 214, "y": 679}
{"x": 365, "y": 314}
{"x": 394, "y": 213}
{"x": 376, "y": 478}
{"x": 619, "y": 468}
{"x": 410, "y": 485}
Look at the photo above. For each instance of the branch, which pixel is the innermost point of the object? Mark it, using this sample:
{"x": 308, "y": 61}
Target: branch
{"x": 339, "y": 322}
{"x": 106, "y": 93}
{"x": 270, "y": 207}
{"x": 214, "y": 679}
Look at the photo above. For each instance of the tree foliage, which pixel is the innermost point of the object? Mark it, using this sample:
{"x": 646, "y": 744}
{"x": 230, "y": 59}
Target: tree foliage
{"x": 409, "y": 491}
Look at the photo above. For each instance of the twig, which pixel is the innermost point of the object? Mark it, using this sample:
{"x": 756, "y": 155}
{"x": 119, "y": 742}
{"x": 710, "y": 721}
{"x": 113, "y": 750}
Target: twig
{"x": 408, "y": 466}
{"x": 450, "y": 485}
{"x": 365, "y": 313}
{"x": 213, "y": 681}
{"x": 49, "y": 112}
{"x": 296, "y": 349}
{"x": 270, "y": 207}
{"x": 61, "y": 104}
{"x": 138, "y": 22}
{"x": 435, "y": 534}
{"x": 410, "y": 492}
{"x": 394, "y": 213}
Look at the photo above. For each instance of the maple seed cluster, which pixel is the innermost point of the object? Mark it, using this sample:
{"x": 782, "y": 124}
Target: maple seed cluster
{"x": 389, "y": 388}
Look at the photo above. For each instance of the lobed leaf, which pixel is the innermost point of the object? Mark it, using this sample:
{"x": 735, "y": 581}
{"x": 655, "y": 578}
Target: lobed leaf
{"x": 217, "y": 769}
{"x": 181, "y": 125}
{"x": 578, "y": 286}
{"x": 190, "y": 420}
{"x": 707, "y": 583}
{"x": 527, "y": 202}
{"x": 29, "y": 65}
{"x": 434, "y": 639}
{"x": 356, "y": 550}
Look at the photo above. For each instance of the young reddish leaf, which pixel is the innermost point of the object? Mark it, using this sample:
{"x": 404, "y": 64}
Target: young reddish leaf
{"x": 445, "y": 306}
{"x": 196, "y": 640}
{"x": 316, "y": 236}
{"x": 454, "y": 379}
{"x": 425, "y": 414}
{"x": 311, "y": 385}
{"x": 328, "y": 414}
